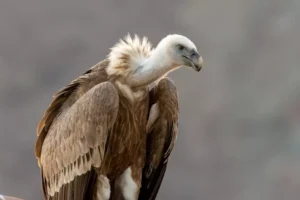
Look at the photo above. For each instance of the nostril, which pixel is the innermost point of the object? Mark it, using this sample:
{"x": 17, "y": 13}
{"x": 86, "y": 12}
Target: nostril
{"x": 194, "y": 54}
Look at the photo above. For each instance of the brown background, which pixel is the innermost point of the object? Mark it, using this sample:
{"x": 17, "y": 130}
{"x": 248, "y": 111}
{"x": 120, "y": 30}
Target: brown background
{"x": 239, "y": 123}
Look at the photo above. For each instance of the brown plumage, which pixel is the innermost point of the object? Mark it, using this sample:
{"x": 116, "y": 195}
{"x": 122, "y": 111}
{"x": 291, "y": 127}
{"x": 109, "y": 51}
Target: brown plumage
{"x": 110, "y": 132}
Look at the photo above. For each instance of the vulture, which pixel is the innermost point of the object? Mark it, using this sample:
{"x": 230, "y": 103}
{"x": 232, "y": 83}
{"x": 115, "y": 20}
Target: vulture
{"x": 109, "y": 133}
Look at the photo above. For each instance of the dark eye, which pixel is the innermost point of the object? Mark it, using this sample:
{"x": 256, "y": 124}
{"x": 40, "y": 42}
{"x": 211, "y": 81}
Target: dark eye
{"x": 180, "y": 47}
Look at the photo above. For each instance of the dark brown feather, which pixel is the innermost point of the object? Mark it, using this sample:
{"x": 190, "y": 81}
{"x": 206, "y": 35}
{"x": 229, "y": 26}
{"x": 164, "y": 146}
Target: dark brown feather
{"x": 79, "y": 189}
{"x": 161, "y": 139}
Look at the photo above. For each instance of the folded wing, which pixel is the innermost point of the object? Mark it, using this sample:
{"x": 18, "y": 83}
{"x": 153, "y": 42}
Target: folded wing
{"x": 72, "y": 138}
{"x": 162, "y": 134}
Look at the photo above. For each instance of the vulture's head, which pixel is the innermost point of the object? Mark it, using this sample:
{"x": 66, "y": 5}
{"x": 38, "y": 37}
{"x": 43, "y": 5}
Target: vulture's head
{"x": 181, "y": 51}
{"x": 137, "y": 64}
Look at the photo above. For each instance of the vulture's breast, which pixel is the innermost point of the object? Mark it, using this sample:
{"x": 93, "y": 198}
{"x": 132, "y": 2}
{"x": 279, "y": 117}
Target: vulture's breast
{"x": 127, "y": 140}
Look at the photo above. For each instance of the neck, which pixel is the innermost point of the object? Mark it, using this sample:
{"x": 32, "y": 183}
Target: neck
{"x": 152, "y": 69}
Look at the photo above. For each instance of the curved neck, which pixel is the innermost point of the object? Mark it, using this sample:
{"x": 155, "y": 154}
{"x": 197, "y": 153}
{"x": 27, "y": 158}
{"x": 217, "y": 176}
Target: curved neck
{"x": 151, "y": 69}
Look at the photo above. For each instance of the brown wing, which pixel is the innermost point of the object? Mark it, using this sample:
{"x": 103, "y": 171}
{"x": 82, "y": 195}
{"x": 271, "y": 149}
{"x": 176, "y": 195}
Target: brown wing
{"x": 72, "y": 137}
{"x": 161, "y": 137}
{"x": 66, "y": 97}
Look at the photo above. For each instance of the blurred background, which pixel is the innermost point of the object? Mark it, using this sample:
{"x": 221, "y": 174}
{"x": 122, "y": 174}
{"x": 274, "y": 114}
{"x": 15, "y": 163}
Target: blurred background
{"x": 240, "y": 117}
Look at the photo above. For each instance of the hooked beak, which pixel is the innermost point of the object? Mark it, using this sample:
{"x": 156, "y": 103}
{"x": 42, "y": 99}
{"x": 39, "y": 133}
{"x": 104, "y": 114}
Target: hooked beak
{"x": 197, "y": 64}
{"x": 195, "y": 60}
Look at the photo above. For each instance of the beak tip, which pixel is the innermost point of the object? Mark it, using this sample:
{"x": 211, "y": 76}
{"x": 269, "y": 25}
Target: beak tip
{"x": 199, "y": 66}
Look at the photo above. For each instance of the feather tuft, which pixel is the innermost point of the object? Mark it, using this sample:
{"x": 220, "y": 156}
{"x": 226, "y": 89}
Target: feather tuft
{"x": 128, "y": 54}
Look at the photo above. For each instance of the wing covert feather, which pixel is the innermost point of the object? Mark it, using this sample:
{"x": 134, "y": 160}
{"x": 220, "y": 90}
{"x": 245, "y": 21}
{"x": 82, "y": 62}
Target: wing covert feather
{"x": 66, "y": 97}
{"x": 66, "y": 151}
{"x": 76, "y": 139}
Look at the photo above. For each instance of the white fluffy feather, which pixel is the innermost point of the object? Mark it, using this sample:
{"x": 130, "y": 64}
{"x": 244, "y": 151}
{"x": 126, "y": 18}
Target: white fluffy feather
{"x": 128, "y": 54}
